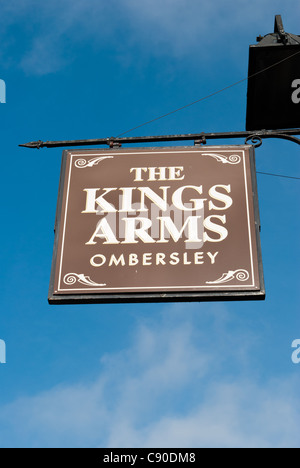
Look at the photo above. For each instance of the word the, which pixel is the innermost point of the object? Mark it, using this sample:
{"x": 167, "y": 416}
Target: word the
{"x": 296, "y": 353}
{"x": 2, "y": 352}
{"x": 157, "y": 173}
{"x": 2, "y": 92}
{"x": 296, "y": 93}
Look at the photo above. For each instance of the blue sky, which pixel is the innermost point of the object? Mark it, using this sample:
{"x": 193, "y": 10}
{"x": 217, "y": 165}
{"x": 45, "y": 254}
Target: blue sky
{"x": 198, "y": 375}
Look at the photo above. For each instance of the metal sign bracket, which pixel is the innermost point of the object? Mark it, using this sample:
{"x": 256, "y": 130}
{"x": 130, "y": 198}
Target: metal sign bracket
{"x": 255, "y": 137}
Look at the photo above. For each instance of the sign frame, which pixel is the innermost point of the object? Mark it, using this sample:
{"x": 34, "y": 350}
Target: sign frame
{"x": 155, "y": 297}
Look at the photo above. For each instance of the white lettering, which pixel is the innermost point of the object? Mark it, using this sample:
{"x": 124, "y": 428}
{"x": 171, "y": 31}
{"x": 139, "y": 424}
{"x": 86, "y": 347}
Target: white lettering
{"x": 131, "y": 232}
{"x": 103, "y": 231}
{"x": 125, "y": 200}
{"x": 208, "y": 224}
{"x": 147, "y": 259}
{"x": 198, "y": 258}
{"x": 133, "y": 259}
{"x": 175, "y": 173}
{"x": 162, "y": 203}
{"x": 95, "y": 257}
{"x": 92, "y": 201}
{"x": 174, "y": 258}
{"x": 117, "y": 261}
{"x": 191, "y": 224}
{"x": 216, "y": 195}
{"x": 158, "y": 173}
{"x": 185, "y": 259}
{"x": 198, "y": 203}
{"x": 212, "y": 257}
{"x": 160, "y": 259}
{"x": 138, "y": 173}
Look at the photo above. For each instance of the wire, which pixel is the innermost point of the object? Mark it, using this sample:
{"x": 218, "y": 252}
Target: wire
{"x": 278, "y": 175}
{"x": 181, "y": 108}
{"x": 207, "y": 97}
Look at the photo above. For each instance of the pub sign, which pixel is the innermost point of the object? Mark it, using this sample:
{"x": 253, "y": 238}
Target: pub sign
{"x": 157, "y": 225}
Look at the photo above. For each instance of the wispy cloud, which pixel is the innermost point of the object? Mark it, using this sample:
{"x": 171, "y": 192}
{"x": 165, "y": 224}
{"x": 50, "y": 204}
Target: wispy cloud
{"x": 168, "y": 389}
{"x": 239, "y": 414}
{"x": 179, "y": 28}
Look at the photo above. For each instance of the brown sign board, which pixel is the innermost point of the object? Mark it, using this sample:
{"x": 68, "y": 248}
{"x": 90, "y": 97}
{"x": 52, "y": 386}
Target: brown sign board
{"x": 157, "y": 225}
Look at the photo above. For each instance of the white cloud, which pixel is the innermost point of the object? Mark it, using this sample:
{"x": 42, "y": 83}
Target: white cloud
{"x": 182, "y": 383}
{"x": 237, "y": 415}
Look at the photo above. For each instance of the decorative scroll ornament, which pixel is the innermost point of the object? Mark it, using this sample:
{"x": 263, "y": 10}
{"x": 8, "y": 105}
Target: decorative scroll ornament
{"x": 72, "y": 278}
{"x": 240, "y": 275}
{"x": 232, "y": 159}
{"x": 255, "y": 140}
{"x": 83, "y": 163}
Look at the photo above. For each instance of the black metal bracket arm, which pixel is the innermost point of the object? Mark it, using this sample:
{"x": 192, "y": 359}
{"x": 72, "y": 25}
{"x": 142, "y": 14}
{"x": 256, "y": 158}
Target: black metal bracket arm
{"x": 257, "y": 137}
{"x": 250, "y": 137}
